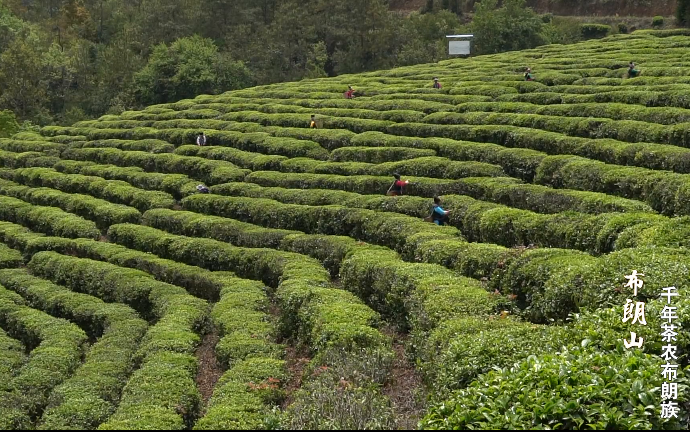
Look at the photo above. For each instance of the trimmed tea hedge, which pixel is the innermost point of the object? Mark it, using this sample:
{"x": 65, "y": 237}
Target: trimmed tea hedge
{"x": 50, "y": 220}
{"x": 174, "y": 185}
{"x": 89, "y": 397}
{"x": 542, "y": 396}
{"x": 56, "y": 347}
{"x": 165, "y": 381}
{"x": 115, "y": 191}
{"x": 100, "y": 211}
{"x": 501, "y": 190}
{"x": 479, "y": 221}
{"x": 323, "y": 318}
{"x": 212, "y": 172}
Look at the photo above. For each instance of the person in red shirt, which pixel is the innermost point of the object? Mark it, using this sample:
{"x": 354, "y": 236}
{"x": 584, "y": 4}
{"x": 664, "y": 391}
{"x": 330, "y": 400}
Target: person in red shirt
{"x": 349, "y": 94}
{"x": 397, "y": 188}
{"x": 437, "y": 85}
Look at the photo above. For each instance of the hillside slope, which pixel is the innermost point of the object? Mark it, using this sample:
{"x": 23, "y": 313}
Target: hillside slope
{"x": 639, "y": 8}
{"x": 310, "y": 289}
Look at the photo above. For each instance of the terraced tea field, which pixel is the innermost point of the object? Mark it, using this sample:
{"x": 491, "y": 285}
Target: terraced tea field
{"x": 297, "y": 294}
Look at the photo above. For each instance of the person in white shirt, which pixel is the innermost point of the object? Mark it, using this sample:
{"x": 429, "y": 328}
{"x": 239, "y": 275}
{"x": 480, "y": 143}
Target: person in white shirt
{"x": 201, "y": 139}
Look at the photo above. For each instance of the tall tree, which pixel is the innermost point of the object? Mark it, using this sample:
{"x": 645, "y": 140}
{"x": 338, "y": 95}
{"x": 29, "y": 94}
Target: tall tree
{"x": 513, "y": 26}
{"x": 22, "y": 88}
{"x": 683, "y": 13}
{"x": 8, "y": 124}
{"x": 186, "y": 68}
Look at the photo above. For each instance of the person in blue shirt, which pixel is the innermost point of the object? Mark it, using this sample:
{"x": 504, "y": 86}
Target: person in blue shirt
{"x": 438, "y": 215}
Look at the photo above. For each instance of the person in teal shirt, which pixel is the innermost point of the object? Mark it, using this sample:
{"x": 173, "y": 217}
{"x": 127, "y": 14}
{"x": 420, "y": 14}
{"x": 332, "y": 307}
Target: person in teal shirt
{"x": 438, "y": 215}
{"x": 528, "y": 75}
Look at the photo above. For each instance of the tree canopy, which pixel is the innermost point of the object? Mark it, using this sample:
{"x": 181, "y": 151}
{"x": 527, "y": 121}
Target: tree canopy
{"x": 66, "y": 60}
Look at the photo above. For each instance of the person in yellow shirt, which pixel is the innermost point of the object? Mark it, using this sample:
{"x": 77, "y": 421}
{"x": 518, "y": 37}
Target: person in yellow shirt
{"x": 312, "y": 125}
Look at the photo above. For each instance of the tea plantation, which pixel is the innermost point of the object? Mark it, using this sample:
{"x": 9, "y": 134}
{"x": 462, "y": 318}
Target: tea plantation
{"x": 117, "y": 273}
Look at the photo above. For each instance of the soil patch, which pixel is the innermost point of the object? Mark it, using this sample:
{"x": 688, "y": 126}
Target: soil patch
{"x": 297, "y": 361}
{"x": 405, "y": 388}
{"x": 210, "y": 370}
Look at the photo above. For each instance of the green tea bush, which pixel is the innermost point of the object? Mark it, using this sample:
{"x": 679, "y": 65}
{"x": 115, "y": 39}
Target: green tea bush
{"x": 231, "y": 231}
{"x": 211, "y": 172}
{"x": 414, "y": 296}
{"x": 253, "y": 161}
{"x": 100, "y": 211}
{"x": 165, "y": 380}
{"x": 243, "y": 395}
{"x": 95, "y": 387}
{"x": 663, "y": 191}
{"x": 13, "y": 357}
{"x": 594, "y": 31}
{"x": 602, "y": 390}
{"x": 378, "y": 155}
{"x": 9, "y": 258}
{"x": 148, "y": 145}
{"x": 477, "y": 220}
{"x": 27, "y": 159}
{"x": 114, "y": 191}
{"x": 365, "y": 225}
{"x": 56, "y": 347}
{"x": 240, "y": 304}
{"x": 160, "y": 188}
{"x": 340, "y": 397}
{"x": 19, "y": 146}
{"x": 300, "y": 283}
{"x": 462, "y": 349}
{"x": 49, "y": 220}
{"x": 500, "y": 190}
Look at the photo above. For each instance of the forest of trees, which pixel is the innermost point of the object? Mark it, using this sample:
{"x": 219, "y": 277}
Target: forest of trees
{"x": 66, "y": 60}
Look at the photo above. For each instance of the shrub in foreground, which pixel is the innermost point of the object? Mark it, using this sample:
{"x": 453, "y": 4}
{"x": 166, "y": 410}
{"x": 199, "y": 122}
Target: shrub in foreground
{"x": 576, "y": 389}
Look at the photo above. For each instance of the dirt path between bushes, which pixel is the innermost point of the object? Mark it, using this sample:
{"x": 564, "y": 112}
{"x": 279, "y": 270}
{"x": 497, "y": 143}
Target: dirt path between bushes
{"x": 210, "y": 370}
{"x": 296, "y": 363}
{"x": 405, "y": 388}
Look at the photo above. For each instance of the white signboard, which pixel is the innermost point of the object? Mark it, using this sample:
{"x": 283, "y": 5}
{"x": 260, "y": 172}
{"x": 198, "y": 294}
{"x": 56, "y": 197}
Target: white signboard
{"x": 461, "y": 47}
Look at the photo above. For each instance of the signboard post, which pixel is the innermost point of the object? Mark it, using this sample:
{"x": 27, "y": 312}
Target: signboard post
{"x": 459, "y": 45}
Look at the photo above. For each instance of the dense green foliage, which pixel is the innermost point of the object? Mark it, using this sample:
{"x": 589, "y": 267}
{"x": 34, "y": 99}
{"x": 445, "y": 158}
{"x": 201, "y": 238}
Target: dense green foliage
{"x": 189, "y": 67}
{"x": 683, "y": 12}
{"x": 67, "y": 60}
{"x": 8, "y": 124}
{"x": 312, "y": 291}
{"x": 598, "y": 391}
{"x": 510, "y": 27}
